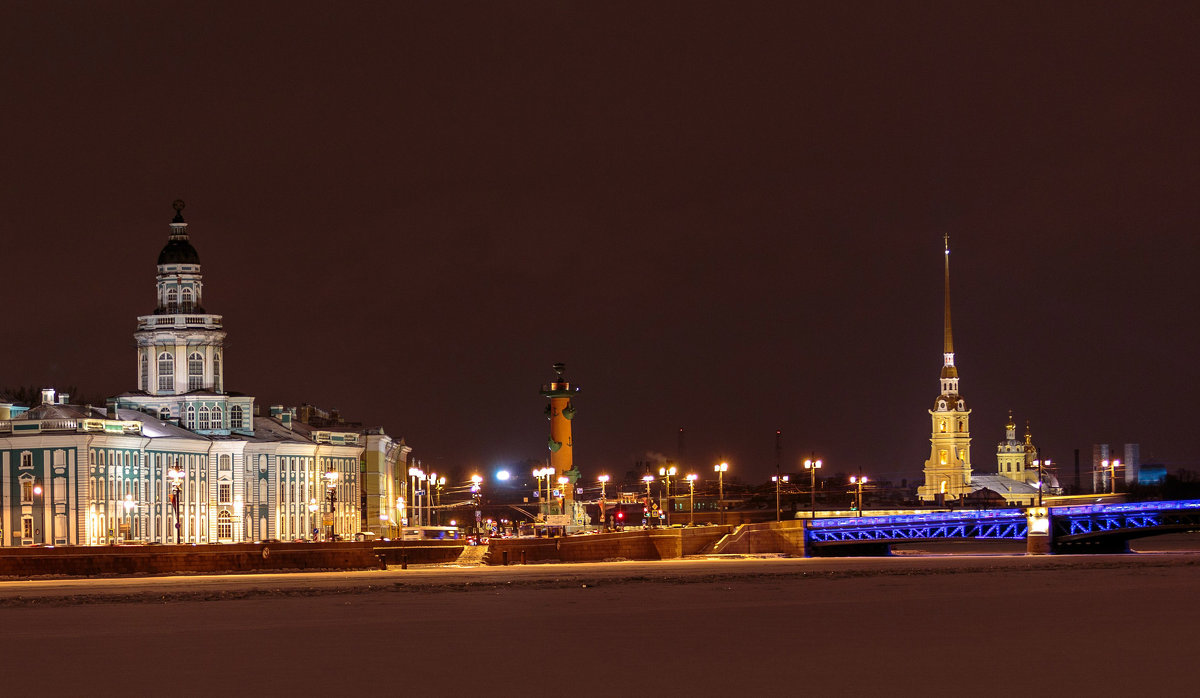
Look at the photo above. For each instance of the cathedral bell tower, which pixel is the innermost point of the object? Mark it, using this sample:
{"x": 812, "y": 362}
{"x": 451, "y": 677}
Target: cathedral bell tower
{"x": 180, "y": 346}
{"x": 948, "y": 470}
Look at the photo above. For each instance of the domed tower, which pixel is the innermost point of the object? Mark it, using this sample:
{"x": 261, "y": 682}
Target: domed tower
{"x": 948, "y": 470}
{"x": 1010, "y": 453}
{"x": 180, "y": 346}
{"x": 560, "y": 412}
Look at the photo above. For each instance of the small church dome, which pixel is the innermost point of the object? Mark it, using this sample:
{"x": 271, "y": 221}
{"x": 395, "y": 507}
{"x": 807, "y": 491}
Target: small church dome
{"x": 178, "y": 250}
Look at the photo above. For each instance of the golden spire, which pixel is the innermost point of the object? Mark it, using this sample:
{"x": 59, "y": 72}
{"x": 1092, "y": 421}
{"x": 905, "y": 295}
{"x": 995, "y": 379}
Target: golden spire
{"x": 948, "y": 368}
{"x": 949, "y": 340}
{"x": 1011, "y": 424}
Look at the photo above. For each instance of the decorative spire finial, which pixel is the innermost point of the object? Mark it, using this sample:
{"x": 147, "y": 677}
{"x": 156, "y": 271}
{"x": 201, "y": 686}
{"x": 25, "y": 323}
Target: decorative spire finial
{"x": 949, "y": 338}
{"x": 178, "y": 205}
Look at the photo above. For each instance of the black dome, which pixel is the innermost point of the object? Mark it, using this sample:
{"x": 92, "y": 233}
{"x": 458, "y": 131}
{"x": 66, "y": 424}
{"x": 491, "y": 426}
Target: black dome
{"x": 178, "y": 251}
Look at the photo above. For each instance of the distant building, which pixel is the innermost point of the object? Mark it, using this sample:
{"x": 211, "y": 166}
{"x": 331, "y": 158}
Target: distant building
{"x": 949, "y": 476}
{"x": 180, "y": 457}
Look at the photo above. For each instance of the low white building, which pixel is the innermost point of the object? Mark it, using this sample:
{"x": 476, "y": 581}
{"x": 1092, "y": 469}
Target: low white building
{"x": 180, "y": 458}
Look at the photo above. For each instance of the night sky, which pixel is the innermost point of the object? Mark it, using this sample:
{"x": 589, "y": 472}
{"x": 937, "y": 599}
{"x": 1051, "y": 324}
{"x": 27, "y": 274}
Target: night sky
{"x": 726, "y": 218}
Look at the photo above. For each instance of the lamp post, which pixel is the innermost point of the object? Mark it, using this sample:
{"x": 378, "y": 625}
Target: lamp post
{"x": 540, "y": 473}
{"x": 666, "y": 474}
{"x": 1112, "y": 474}
{"x": 647, "y": 478}
{"x": 175, "y": 473}
{"x": 720, "y": 469}
{"x": 414, "y": 498}
{"x": 1039, "y": 464}
{"x": 691, "y": 479}
{"x": 858, "y": 482}
{"x": 477, "y": 496}
{"x": 778, "y": 479}
{"x": 129, "y": 504}
{"x": 603, "y": 479}
{"x": 812, "y": 466}
{"x": 331, "y": 478}
{"x": 441, "y": 483}
{"x": 429, "y": 499}
{"x": 313, "y": 507}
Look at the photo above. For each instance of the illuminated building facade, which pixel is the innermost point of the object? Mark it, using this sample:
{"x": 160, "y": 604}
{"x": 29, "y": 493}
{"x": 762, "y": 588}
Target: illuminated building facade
{"x": 949, "y": 475}
{"x": 180, "y": 458}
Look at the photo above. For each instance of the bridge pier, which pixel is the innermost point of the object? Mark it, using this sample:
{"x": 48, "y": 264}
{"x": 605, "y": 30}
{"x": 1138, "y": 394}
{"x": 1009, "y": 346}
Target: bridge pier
{"x": 1038, "y": 538}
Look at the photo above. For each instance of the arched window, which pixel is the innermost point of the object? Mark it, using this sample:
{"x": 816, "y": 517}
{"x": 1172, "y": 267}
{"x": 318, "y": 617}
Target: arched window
{"x": 172, "y": 299}
{"x": 166, "y": 371}
{"x": 203, "y": 422}
{"x": 187, "y": 299}
{"x": 217, "y": 371}
{"x": 235, "y": 417}
{"x": 218, "y": 417}
{"x": 145, "y": 369}
{"x": 189, "y": 419}
{"x": 195, "y": 371}
{"x": 225, "y": 464}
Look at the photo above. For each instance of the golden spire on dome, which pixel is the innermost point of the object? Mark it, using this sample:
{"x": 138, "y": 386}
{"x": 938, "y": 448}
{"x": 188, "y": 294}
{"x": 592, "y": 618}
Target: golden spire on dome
{"x": 949, "y": 339}
{"x": 948, "y": 368}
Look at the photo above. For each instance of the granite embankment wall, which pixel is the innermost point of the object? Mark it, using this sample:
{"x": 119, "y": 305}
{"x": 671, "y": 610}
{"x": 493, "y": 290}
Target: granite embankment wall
{"x": 785, "y": 537}
{"x": 653, "y": 544}
{"x": 250, "y": 557}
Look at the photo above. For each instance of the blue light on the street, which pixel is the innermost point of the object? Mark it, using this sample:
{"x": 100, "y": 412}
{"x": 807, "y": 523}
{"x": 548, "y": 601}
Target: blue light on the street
{"x": 502, "y": 475}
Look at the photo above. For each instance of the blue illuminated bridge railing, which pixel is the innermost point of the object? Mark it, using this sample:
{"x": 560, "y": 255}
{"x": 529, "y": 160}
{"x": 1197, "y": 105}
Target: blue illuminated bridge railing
{"x": 1074, "y": 522}
{"x": 999, "y": 524}
{"x": 1134, "y": 519}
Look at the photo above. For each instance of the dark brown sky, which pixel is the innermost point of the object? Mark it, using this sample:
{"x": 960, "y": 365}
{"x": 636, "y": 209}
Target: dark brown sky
{"x": 722, "y": 217}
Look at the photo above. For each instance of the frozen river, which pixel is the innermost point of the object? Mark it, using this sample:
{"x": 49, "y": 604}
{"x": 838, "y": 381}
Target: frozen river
{"x": 905, "y": 625}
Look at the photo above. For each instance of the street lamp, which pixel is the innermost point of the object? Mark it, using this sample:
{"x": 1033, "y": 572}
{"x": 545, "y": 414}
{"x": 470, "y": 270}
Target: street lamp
{"x": 1039, "y": 464}
{"x": 858, "y": 483}
{"x": 691, "y": 478}
{"x": 477, "y": 496}
{"x": 437, "y": 503}
{"x": 414, "y": 498}
{"x": 778, "y": 479}
{"x": 603, "y": 496}
{"x": 647, "y": 478}
{"x": 1112, "y": 474}
{"x": 331, "y": 478}
{"x": 175, "y": 473}
{"x": 312, "y": 514}
{"x": 812, "y": 466}
{"x": 720, "y": 469}
{"x": 129, "y": 504}
{"x": 666, "y": 474}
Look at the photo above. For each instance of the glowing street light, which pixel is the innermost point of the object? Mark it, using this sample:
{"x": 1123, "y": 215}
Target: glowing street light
{"x": 331, "y": 478}
{"x": 603, "y": 479}
{"x": 176, "y": 475}
{"x": 129, "y": 505}
{"x": 1112, "y": 474}
{"x": 858, "y": 483}
{"x": 691, "y": 480}
{"x": 720, "y": 469}
{"x": 812, "y": 466}
{"x": 778, "y": 479}
{"x": 667, "y": 473}
{"x": 1040, "y": 464}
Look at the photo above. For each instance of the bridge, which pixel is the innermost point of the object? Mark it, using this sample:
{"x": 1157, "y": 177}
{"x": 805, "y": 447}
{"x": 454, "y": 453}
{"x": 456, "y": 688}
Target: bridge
{"x": 1087, "y": 528}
